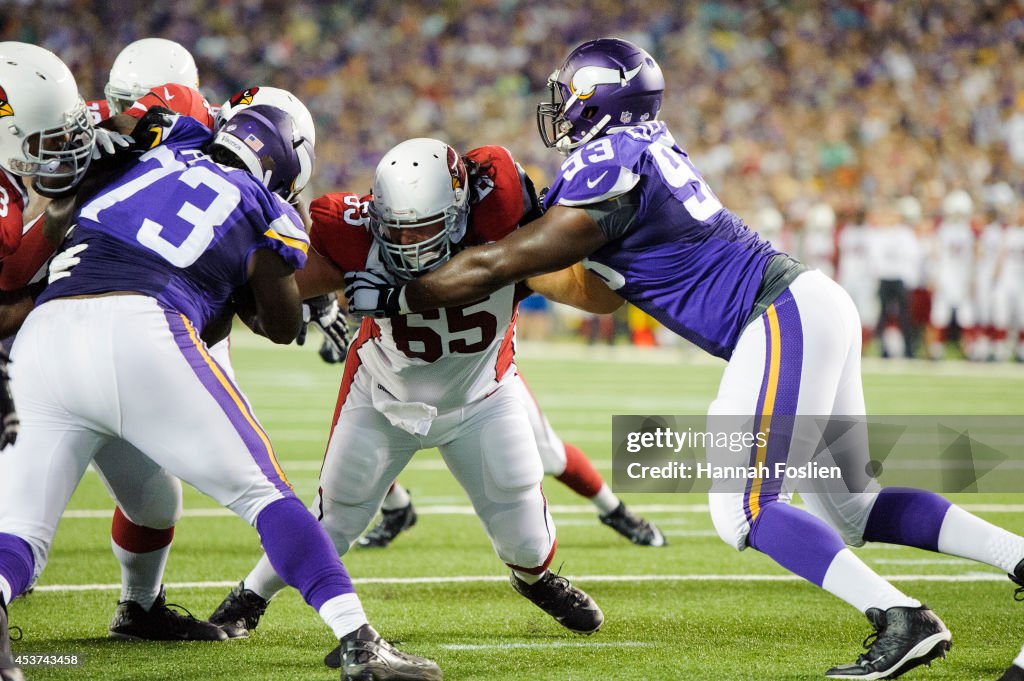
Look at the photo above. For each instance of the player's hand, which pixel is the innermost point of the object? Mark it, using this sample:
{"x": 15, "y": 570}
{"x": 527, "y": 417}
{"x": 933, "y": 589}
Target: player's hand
{"x": 64, "y": 261}
{"x": 109, "y": 143}
{"x": 8, "y": 416}
{"x": 327, "y": 315}
{"x": 371, "y": 295}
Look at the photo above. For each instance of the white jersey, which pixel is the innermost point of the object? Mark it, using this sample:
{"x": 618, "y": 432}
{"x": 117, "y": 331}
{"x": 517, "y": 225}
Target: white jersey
{"x": 439, "y": 359}
{"x": 1011, "y": 270}
{"x": 895, "y": 254}
{"x": 954, "y": 259}
{"x": 818, "y": 251}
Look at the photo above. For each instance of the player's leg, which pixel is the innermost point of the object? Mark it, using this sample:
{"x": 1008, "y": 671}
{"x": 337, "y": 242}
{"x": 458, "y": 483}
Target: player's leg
{"x": 1016, "y": 670}
{"x": 149, "y": 504}
{"x": 571, "y": 467}
{"x": 939, "y": 320}
{"x": 40, "y": 472}
{"x": 495, "y": 460}
{"x": 364, "y": 452}
{"x": 397, "y": 515}
{"x": 215, "y": 444}
{"x": 797, "y": 350}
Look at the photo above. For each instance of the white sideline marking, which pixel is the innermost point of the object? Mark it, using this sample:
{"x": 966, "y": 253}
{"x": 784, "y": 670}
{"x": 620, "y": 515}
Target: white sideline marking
{"x": 552, "y": 644}
{"x": 470, "y": 579}
{"x": 556, "y": 509}
{"x": 922, "y": 561}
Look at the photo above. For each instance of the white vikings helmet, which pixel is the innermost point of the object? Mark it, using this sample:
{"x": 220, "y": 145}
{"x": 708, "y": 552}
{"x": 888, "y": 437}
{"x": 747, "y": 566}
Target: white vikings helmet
{"x": 44, "y": 126}
{"x": 420, "y": 205}
{"x": 957, "y": 205}
{"x": 290, "y": 104}
{"x": 144, "y": 65}
{"x": 820, "y": 218}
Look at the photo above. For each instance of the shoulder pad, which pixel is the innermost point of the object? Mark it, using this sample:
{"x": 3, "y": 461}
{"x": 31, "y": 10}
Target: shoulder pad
{"x": 339, "y": 231}
{"x": 497, "y": 201}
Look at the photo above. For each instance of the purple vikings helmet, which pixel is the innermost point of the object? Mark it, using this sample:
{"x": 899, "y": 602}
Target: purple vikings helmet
{"x": 603, "y": 83}
{"x": 265, "y": 139}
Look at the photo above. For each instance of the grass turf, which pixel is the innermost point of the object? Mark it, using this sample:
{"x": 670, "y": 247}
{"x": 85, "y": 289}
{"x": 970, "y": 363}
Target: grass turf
{"x": 682, "y": 621}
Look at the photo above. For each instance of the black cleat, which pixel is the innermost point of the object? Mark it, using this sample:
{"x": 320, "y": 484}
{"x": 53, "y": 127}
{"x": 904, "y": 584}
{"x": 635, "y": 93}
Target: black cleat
{"x": 634, "y": 528}
{"x": 904, "y": 638}
{"x": 1018, "y": 578}
{"x": 160, "y": 623}
{"x": 8, "y": 670}
{"x": 1014, "y": 673}
{"x": 392, "y": 523}
{"x": 239, "y": 612}
{"x": 571, "y": 607}
{"x": 368, "y": 657}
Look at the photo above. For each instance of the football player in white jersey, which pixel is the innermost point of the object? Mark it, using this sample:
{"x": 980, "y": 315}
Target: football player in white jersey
{"x": 857, "y": 276}
{"x": 895, "y": 261}
{"x": 818, "y": 243}
{"x": 1001, "y": 208}
{"x": 953, "y": 276}
{"x": 445, "y": 378}
{"x": 1008, "y": 297}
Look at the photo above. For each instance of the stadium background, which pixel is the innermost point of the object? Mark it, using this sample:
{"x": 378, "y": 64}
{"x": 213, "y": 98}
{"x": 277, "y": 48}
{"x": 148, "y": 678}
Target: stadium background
{"x": 781, "y": 105}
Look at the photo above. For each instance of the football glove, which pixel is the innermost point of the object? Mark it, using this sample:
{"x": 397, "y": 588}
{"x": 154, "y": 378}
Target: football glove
{"x": 64, "y": 261}
{"x": 326, "y": 314}
{"x": 8, "y": 416}
{"x": 110, "y": 143}
{"x": 371, "y": 295}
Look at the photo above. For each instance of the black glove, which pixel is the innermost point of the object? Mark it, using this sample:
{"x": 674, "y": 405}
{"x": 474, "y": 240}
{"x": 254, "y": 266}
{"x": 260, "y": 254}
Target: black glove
{"x": 8, "y": 416}
{"x": 326, "y": 314}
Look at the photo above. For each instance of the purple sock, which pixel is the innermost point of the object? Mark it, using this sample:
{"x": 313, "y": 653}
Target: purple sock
{"x": 16, "y": 563}
{"x": 798, "y": 541}
{"x": 907, "y": 516}
{"x": 301, "y": 552}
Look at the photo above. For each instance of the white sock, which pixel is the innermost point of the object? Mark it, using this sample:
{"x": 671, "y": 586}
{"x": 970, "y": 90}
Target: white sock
{"x": 343, "y": 614}
{"x": 5, "y": 589}
{"x": 529, "y": 578}
{"x": 968, "y": 536}
{"x": 605, "y": 500}
{"x": 397, "y": 498}
{"x": 141, "y": 573}
{"x": 263, "y": 579}
{"x": 1020, "y": 659}
{"x": 851, "y": 580}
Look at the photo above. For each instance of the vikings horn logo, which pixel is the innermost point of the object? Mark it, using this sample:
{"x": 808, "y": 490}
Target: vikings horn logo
{"x": 457, "y": 169}
{"x": 244, "y": 98}
{"x": 585, "y": 81}
{"x": 5, "y": 105}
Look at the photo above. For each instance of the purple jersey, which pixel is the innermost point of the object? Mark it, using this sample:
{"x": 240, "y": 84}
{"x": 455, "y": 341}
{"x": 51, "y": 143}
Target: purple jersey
{"x": 680, "y": 256}
{"x": 180, "y": 228}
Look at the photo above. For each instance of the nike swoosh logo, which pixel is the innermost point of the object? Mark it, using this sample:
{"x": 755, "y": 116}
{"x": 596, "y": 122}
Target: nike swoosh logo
{"x": 167, "y": 95}
{"x": 597, "y": 180}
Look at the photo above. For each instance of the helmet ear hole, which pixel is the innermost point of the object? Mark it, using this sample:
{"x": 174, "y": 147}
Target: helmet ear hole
{"x": 589, "y": 113}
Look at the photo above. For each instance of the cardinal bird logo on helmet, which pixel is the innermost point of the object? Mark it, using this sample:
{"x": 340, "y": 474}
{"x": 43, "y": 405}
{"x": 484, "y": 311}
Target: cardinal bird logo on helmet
{"x": 244, "y": 98}
{"x": 457, "y": 169}
{"x": 5, "y": 106}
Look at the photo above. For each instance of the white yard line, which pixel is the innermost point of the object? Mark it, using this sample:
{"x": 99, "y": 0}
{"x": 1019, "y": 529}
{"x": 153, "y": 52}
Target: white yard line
{"x": 551, "y": 644}
{"x": 557, "y": 509}
{"x": 477, "y": 579}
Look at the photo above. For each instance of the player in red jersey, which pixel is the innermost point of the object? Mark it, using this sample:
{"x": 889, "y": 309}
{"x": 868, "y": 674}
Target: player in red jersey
{"x": 445, "y": 378}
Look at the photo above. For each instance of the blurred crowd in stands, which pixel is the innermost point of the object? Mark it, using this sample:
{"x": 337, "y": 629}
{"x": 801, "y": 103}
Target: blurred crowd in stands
{"x": 859, "y": 135}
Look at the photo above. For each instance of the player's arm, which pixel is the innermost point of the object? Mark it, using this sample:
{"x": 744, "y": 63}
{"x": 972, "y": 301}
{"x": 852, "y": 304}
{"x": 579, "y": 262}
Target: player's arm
{"x": 277, "y": 305}
{"x": 561, "y": 237}
{"x": 577, "y": 287}
{"x": 319, "y": 277}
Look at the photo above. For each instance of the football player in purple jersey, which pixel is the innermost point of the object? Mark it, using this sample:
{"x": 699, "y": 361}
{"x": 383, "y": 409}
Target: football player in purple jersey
{"x": 114, "y": 350}
{"x": 630, "y": 204}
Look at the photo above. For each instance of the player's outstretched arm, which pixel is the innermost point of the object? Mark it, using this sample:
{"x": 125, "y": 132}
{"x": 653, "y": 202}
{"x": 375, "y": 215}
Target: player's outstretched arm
{"x": 561, "y": 237}
{"x": 319, "y": 276}
{"x": 577, "y": 287}
{"x": 278, "y": 306}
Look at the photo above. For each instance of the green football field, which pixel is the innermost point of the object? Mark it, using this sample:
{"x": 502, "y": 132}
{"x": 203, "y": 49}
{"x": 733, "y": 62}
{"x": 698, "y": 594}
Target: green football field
{"x": 695, "y": 609}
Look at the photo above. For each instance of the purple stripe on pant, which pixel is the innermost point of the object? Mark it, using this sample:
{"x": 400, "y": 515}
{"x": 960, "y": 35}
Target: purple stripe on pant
{"x": 787, "y": 392}
{"x": 221, "y": 388}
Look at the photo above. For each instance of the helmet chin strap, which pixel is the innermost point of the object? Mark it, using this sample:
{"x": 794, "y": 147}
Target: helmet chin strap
{"x": 565, "y": 145}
